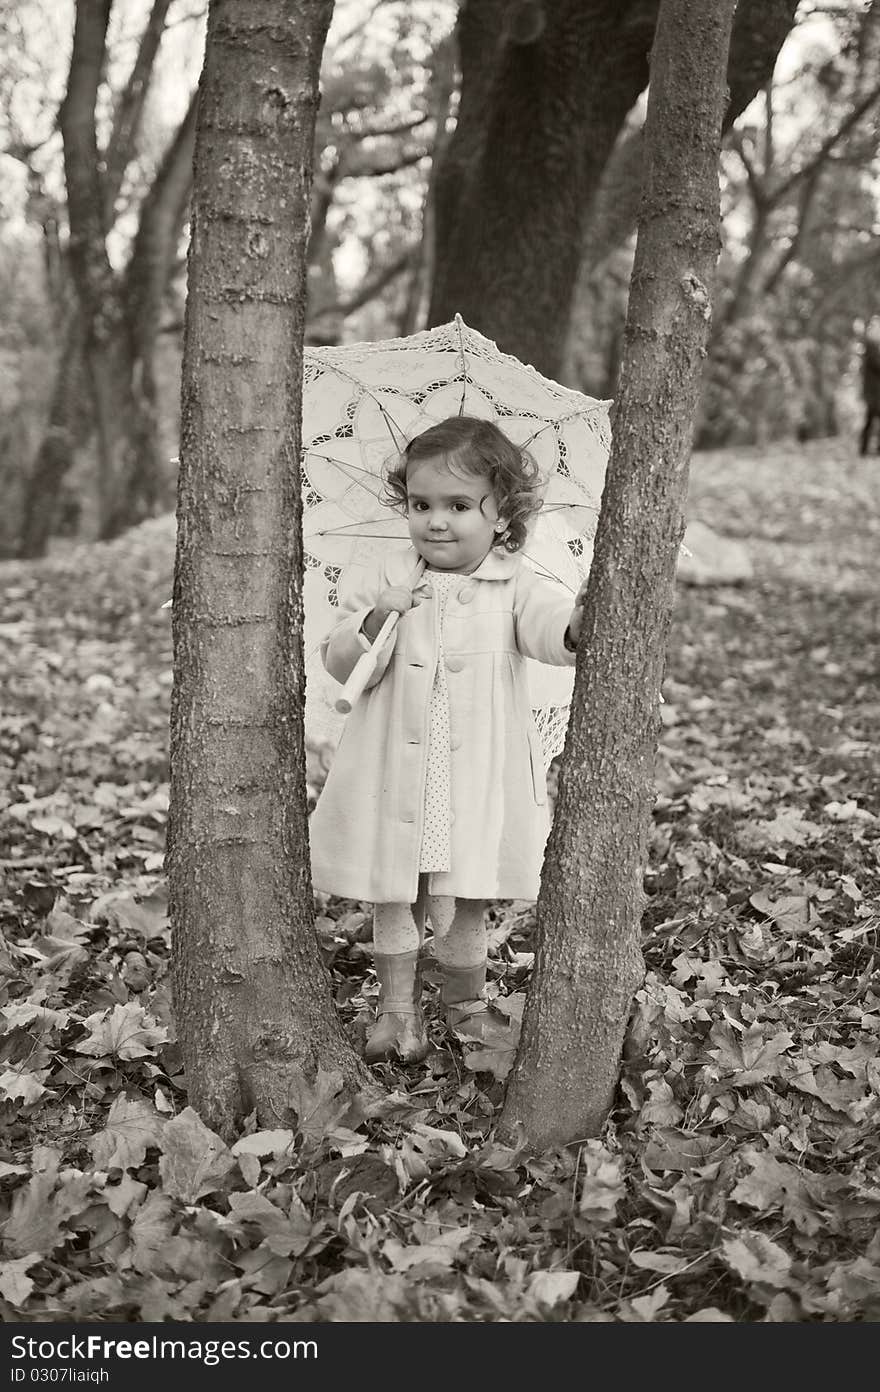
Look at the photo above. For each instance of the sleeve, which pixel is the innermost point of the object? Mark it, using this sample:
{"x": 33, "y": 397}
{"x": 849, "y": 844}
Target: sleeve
{"x": 541, "y": 614}
{"x": 345, "y": 644}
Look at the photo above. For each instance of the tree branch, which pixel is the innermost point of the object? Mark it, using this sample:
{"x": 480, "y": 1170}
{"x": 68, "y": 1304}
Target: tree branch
{"x": 363, "y": 167}
{"x": 154, "y": 251}
{"x": 92, "y": 272}
{"x": 130, "y": 107}
{"x": 370, "y": 287}
{"x": 852, "y": 117}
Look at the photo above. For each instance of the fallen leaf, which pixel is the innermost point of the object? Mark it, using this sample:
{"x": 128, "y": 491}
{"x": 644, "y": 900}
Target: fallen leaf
{"x": 195, "y": 1161}
{"x": 132, "y": 1126}
{"x": 552, "y": 1287}
{"x": 15, "y": 1284}
{"x": 126, "y": 1032}
{"x": 755, "y": 1257}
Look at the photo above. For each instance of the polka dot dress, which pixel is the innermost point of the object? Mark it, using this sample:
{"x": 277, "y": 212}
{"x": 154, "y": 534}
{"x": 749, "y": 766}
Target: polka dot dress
{"x": 436, "y": 851}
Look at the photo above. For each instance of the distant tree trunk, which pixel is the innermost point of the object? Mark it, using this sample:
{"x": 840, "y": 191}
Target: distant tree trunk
{"x": 251, "y": 995}
{"x": 588, "y": 961}
{"x": 545, "y": 92}
{"x": 104, "y": 387}
{"x": 541, "y": 107}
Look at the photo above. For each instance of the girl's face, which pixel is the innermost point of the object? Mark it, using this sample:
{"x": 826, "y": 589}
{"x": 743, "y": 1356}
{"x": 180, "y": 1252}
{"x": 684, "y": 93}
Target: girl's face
{"x": 452, "y": 516}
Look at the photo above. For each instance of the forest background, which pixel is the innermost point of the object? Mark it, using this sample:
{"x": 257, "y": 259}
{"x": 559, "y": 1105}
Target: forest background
{"x": 738, "y": 896}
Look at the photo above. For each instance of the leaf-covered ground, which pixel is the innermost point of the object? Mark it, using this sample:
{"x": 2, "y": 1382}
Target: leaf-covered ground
{"x": 738, "y": 1177}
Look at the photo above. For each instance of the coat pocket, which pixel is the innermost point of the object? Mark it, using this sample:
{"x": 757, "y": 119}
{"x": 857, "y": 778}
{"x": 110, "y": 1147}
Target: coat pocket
{"x": 539, "y": 772}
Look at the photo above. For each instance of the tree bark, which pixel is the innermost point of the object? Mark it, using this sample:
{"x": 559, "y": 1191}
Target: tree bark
{"x": 251, "y": 995}
{"x": 541, "y": 110}
{"x": 588, "y": 961}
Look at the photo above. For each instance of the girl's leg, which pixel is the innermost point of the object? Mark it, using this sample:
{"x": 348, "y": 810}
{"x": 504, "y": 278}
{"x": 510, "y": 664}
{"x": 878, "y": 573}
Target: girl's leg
{"x": 459, "y": 930}
{"x": 399, "y": 1030}
{"x": 460, "y": 947}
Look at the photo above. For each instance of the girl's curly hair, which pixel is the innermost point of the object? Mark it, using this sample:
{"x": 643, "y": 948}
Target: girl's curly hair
{"x": 477, "y": 447}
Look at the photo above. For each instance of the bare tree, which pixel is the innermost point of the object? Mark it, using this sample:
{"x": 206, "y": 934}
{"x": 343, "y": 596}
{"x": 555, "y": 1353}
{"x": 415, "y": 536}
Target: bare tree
{"x": 588, "y": 961}
{"x": 251, "y": 993}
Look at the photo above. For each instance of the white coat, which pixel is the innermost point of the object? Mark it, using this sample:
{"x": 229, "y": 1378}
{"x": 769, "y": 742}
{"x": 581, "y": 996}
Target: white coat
{"x": 366, "y": 831}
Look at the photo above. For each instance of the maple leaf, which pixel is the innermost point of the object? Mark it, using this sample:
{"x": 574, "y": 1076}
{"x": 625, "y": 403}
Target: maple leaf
{"x": 772, "y": 1185}
{"x": 22, "y": 1085}
{"x": 132, "y": 1125}
{"x": 195, "y": 1161}
{"x": 364, "y": 1297}
{"x": 59, "y": 948}
{"x": 672, "y": 1149}
{"x": 261, "y": 1143}
{"x": 441, "y": 1250}
{"x": 751, "y": 1058}
{"x": 35, "y": 1224}
{"x": 552, "y": 1287}
{"x": 15, "y": 1284}
{"x": 788, "y": 828}
{"x": 755, "y": 1258}
{"x": 151, "y": 1230}
{"x": 661, "y": 1108}
{"x": 444, "y": 1142}
{"x": 319, "y": 1105}
{"x": 126, "y": 1032}
{"x": 790, "y": 911}
{"x": 643, "y": 1308}
{"x": 603, "y": 1185}
{"x": 501, "y": 1027}
{"x": 285, "y": 1235}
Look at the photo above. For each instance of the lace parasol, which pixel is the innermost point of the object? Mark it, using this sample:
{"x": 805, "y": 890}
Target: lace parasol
{"x": 363, "y": 402}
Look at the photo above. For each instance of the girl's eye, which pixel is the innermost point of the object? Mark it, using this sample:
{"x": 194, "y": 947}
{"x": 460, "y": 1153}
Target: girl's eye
{"x": 461, "y": 507}
{"x": 418, "y": 505}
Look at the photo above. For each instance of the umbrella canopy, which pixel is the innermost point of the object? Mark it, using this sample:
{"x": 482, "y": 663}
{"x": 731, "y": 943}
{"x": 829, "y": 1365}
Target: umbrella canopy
{"x": 364, "y": 402}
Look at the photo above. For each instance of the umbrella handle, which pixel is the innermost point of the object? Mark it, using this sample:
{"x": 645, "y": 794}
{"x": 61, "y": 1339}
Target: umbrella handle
{"x": 366, "y": 665}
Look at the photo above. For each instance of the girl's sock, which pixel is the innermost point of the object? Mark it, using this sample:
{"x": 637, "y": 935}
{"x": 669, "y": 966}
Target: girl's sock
{"x": 459, "y": 930}
{"x": 395, "y": 929}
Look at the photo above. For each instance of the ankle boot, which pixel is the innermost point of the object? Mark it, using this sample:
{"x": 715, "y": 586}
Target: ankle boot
{"x": 461, "y": 993}
{"x": 399, "y": 1031}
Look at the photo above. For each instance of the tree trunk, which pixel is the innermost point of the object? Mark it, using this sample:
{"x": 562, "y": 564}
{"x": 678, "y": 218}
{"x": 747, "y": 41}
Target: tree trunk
{"x": 588, "y": 961}
{"x": 530, "y": 144}
{"x": 542, "y": 106}
{"x": 251, "y": 995}
{"x": 154, "y": 252}
{"x": 104, "y": 387}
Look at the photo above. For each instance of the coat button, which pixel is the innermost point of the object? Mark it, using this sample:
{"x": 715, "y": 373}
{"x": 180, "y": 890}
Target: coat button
{"x": 466, "y": 594}
{"x": 454, "y": 664}
{"x": 455, "y": 742}
{"x": 407, "y": 816}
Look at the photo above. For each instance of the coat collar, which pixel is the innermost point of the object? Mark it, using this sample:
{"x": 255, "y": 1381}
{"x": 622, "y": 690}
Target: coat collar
{"x": 497, "y": 565}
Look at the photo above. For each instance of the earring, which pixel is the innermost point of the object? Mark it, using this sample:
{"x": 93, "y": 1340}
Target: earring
{"x": 500, "y": 527}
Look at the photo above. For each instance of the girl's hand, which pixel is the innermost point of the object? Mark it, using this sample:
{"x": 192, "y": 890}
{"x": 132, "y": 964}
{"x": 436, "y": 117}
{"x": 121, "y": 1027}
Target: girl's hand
{"x": 577, "y": 615}
{"x": 395, "y": 600}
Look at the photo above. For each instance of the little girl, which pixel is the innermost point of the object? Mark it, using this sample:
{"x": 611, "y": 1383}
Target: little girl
{"x": 436, "y": 800}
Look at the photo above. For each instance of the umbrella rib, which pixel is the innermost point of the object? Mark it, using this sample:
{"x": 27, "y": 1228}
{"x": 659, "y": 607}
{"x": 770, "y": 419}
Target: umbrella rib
{"x": 459, "y": 325}
{"x": 343, "y": 467}
{"x": 341, "y": 463}
{"x": 547, "y": 571}
{"x": 362, "y": 387}
{"x": 345, "y": 530}
{"x": 563, "y": 420}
